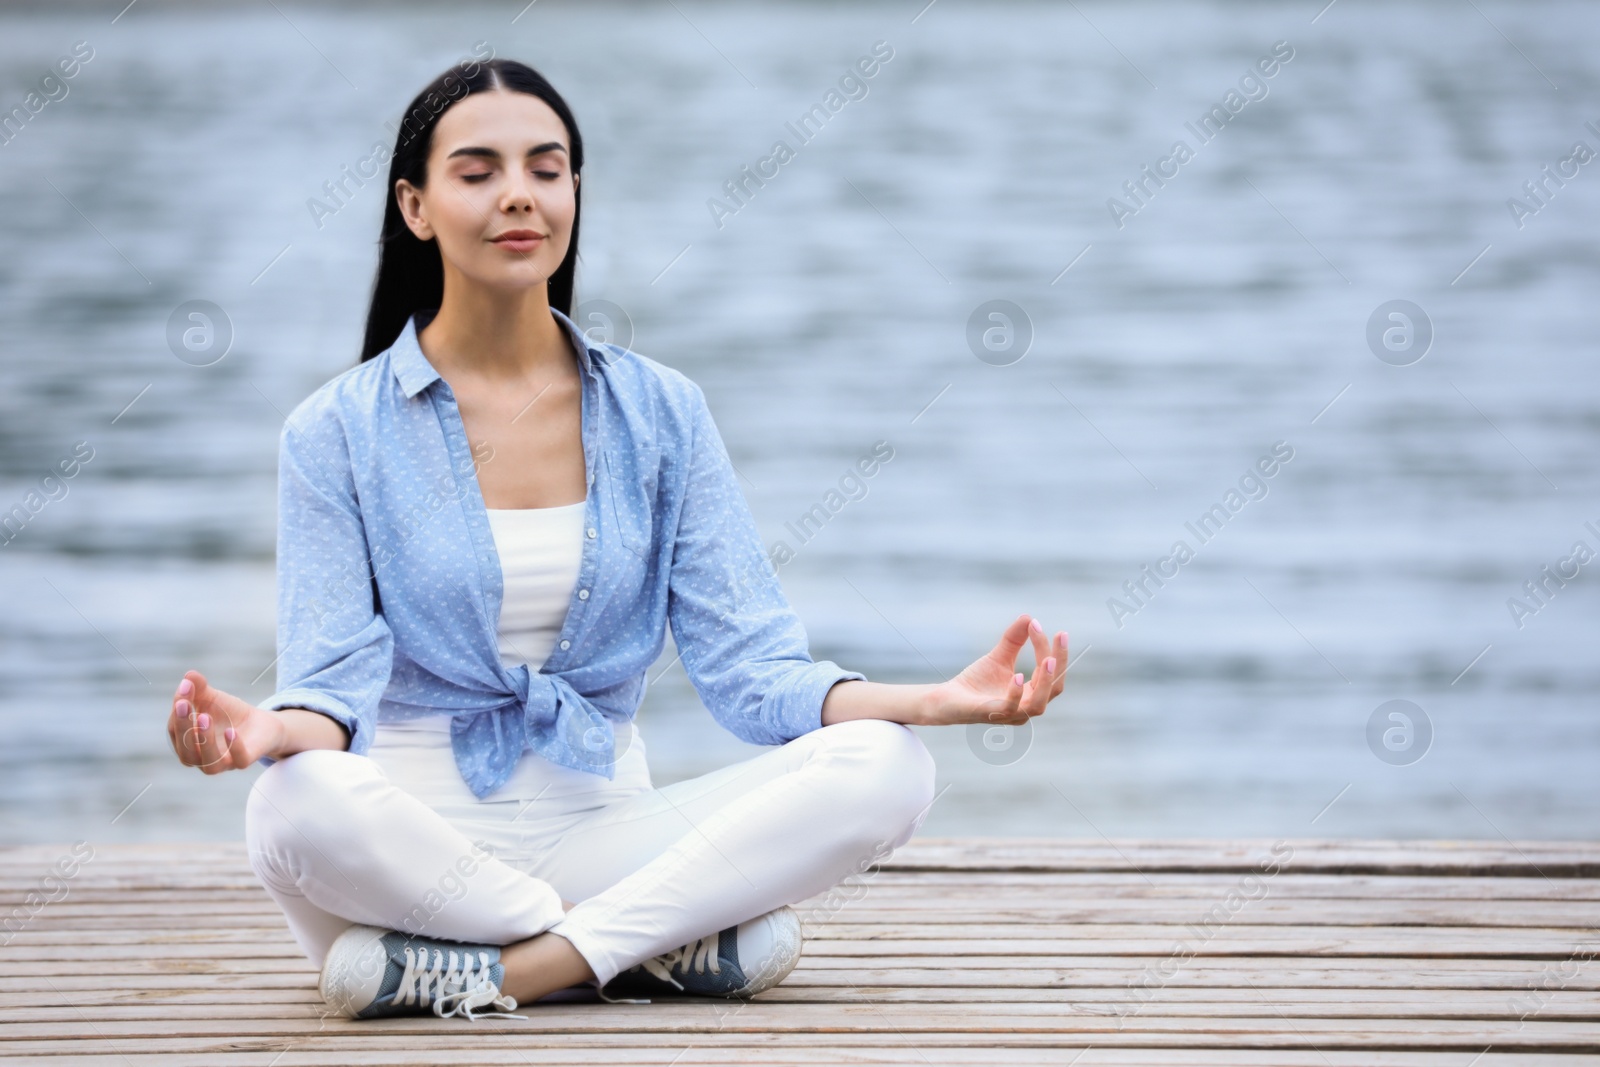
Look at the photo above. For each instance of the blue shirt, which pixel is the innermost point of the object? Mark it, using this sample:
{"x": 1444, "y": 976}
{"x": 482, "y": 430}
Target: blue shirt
{"x": 389, "y": 586}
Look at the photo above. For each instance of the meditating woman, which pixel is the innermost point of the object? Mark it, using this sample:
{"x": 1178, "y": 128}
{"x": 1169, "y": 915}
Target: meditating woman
{"x": 484, "y": 529}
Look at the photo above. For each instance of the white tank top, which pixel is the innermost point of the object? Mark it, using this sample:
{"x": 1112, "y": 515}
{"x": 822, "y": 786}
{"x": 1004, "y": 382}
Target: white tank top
{"x": 541, "y": 551}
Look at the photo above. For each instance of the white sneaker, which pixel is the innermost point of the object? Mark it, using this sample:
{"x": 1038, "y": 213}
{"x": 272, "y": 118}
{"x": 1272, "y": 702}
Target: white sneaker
{"x": 740, "y": 961}
{"x": 372, "y": 972}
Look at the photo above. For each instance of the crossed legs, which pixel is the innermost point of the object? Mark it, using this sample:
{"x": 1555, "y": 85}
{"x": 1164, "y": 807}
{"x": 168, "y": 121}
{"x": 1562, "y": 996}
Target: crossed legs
{"x": 336, "y": 843}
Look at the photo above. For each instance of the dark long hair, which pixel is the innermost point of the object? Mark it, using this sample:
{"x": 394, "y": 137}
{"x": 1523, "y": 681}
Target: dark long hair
{"x": 410, "y": 273}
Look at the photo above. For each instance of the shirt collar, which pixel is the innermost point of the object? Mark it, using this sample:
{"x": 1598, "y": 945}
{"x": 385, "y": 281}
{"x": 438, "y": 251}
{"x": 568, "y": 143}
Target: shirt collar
{"x": 414, "y": 373}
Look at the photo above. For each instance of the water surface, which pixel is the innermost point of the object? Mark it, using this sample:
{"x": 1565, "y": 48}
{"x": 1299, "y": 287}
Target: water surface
{"x": 830, "y": 312}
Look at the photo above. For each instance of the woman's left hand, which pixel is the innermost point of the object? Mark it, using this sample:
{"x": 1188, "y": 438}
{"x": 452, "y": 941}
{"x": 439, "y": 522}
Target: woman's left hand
{"x": 993, "y": 691}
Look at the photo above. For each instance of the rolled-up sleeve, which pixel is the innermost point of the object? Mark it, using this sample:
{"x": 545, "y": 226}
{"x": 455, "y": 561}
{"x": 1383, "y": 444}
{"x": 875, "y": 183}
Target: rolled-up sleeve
{"x": 743, "y": 646}
{"x": 335, "y": 650}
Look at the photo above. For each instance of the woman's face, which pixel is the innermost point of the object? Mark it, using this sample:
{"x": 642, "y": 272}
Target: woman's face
{"x": 500, "y": 194}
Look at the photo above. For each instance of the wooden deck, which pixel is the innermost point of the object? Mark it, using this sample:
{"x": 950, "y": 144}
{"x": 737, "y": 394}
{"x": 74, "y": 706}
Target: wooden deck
{"x": 995, "y": 951}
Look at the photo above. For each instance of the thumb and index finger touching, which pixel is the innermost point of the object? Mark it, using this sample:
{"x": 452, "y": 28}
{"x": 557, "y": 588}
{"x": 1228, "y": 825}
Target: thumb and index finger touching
{"x": 1025, "y": 629}
{"x": 199, "y": 739}
{"x": 1050, "y": 656}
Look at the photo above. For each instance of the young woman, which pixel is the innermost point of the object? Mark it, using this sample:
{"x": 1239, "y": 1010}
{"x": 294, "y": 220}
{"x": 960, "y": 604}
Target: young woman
{"x": 485, "y": 528}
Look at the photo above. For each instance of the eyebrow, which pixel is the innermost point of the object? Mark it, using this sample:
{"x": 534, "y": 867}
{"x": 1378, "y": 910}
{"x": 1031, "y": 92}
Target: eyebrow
{"x": 489, "y": 153}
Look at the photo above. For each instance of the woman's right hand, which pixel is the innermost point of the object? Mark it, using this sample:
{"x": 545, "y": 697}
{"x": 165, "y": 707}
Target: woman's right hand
{"x": 217, "y": 731}
{"x": 992, "y": 690}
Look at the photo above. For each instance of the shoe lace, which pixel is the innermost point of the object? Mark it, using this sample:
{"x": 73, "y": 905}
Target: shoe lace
{"x": 453, "y": 989}
{"x": 696, "y": 956}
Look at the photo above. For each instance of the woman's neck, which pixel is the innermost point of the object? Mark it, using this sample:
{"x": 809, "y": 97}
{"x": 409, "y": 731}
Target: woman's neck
{"x": 494, "y": 335}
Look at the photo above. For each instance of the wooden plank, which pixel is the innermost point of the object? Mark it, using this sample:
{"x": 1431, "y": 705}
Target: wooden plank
{"x": 89, "y": 900}
{"x": 1385, "y": 953}
{"x": 947, "y": 941}
{"x": 198, "y": 1005}
{"x": 1289, "y": 883}
{"x": 310, "y": 1054}
{"x": 1060, "y": 972}
{"x": 1510, "y": 975}
{"x": 1550, "y": 859}
{"x": 760, "y": 1017}
{"x": 157, "y": 883}
{"x": 289, "y": 1002}
{"x": 839, "y": 1025}
{"x": 1477, "y": 858}
{"x": 1524, "y": 913}
{"x": 1364, "y": 912}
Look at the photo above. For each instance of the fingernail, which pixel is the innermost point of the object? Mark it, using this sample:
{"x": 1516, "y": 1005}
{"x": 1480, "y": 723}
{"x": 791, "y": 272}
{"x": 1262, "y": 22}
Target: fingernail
{"x": 1017, "y": 680}
{"x": 1049, "y": 664}
{"x": 185, "y": 687}
{"x": 228, "y": 733}
{"x": 183, "y": 709}
{"x": 1035, "y": 627}
{"x": 205, "y": 721}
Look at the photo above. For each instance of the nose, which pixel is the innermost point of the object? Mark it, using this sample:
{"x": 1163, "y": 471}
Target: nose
{"x": 518, "y": 194}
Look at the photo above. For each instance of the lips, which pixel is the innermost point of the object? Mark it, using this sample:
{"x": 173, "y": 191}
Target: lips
{"x": 519, "y": 242}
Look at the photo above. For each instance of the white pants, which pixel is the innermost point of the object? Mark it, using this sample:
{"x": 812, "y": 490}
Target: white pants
{"x": 335, "y": 842}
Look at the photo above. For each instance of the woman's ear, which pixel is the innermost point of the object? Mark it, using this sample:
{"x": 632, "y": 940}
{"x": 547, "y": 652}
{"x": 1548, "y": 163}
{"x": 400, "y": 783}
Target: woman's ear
{"x": 410, "y": 200}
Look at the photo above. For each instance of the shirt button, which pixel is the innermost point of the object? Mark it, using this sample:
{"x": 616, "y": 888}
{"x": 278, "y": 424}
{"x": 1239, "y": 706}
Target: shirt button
{"x": 591, "y": 531}
{"x": 566, "y": 644}
{"x": 583, "y": 594}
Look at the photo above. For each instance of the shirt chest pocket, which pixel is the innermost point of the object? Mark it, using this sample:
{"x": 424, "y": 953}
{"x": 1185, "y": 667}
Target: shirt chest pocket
{"x": 632, "y": 476}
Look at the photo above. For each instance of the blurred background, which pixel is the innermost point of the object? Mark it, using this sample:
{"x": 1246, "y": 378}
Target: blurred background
{"x": 1068, "y": 367}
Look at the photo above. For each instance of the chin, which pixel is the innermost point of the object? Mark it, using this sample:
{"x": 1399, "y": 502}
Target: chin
{"x": 514, "y": 277}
